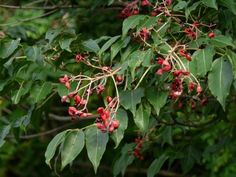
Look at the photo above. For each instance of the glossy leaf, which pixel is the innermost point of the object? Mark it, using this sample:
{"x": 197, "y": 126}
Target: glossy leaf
{"x": 220, "y": 80}
{"x": 221, "y": 41}
{"x": 23, "y": 89}
{"x": 130, "y": 98}
{"x": 52, "y": 146}
{"x": 71, "y": 147}
{"x": 135, "y": 60}
{"x": 131, "y": 22}
{"x": 202, "y": 61}
{"x": 156, "y": 165}
{"x": 118, "y": 135}
{"x": 124, "y": 160}
{"x": 4, "y": 130}
{"x": 210, "y": 3}
{"x": 116, "y": 47}
{"x": 40, "y": 92}
{"x": 91, "y": 46}
{"x": 34, "y": 54}
{"x": 156, "y": 98}
{"x": 108, "y": 44}
{"x": 96, "y": 142}
{"x": 232, "y": 58}
{"x": 141, "y": 117}
{"x": 8, "y": 47}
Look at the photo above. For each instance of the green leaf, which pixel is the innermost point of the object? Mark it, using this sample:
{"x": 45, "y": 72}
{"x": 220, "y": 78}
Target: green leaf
{"x": 71, "y": 147}
{"x": 220, "y": 79}
{"x": 34, "y": 54}
{"x": 142, "y": 116}
{"x": 116, "y": 47}
{"x": 39, "y": 93}
{"x": 230, "y": 4}
{"x": 52, "y": 146}
{"x": 156, "y": 98}
{"x": 24, "y": 120}
{"x": 4, "y": 130}
{"x": 52, "y": 34}
{"x": 166, "y": 135}
{"x": 156, "y": 165}
{"x": 23, "y": 89}
{"x": 8, "y": 47}
{"x": 148, "y": 58}
{"x": 3, "y": 83}
{"x": 91, "y": 46}
{"x": 130, "y": 98}
{"x": 202, "y": 61}
{"x": 65, "y": 43}
{"x": 131, "y": 22}
{"x": 210, "y": 3}
{"x": 118, "y": 135}
{"x": 124, "y": 160}
{"x": 108, "y": 44}
{"x": 96, "y": 142}
{"x": 180, "y": 5}
{"x": 148, "y": 23}
{"x": 221, "y": 41}
{"x": 135, "y": 60}
{"x": 232, "y": 58}
{"x": 191, "y": 8}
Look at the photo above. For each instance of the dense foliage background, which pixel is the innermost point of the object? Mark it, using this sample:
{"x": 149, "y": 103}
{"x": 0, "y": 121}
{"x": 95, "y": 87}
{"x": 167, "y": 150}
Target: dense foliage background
{"x": 176, "y": 118}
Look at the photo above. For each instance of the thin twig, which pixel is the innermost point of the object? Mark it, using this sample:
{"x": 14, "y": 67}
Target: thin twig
{"x": 29, "y": 19}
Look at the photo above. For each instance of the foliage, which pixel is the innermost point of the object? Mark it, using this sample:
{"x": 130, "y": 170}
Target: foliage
{"x": 132, "y": 86}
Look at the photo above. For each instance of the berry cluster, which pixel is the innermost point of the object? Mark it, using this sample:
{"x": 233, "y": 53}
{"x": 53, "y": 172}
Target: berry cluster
{"x": 137, "y": 150}
{"x": 144, "y": 34}
{"x": 65, "y": 80}
{"x": 105, "y": 123}
{"x": 86, "y": 86}
{"x": 129, "y": 10}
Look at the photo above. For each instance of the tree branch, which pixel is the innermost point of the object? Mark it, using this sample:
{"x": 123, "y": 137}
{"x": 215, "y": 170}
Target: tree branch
{"x": 54, "y": 7}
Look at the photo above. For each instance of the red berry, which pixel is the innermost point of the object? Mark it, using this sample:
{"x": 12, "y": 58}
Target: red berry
{"x": 211, "y": 35}
{"x": 199, "y": 89}
{"x": 100, "y": 126}
{"x": 71, "y": 95}
{"x": 166, "y": 66}
{"x": 72, "y": 111}
{"x": 67, "y": 84}
{"x": 153, "y": 13}
{"x": 159, "y": 72}
{"x": 135, "y": 12}
{"x": 145, "y": 3}
{"x": 79, "y": 57}
{"x": 83, "y": 102}
{"x": 111, "y": 128}
{"x": 100, "y": 88}
{"x": 116, "y": 123}
{"x": 119, "y": 79}
{"x": 160, "y": 60}
{"x": 64, "y": 99}
{"x": 204, "y": 101}
{"x": 178, "y": 73}
{"x": 182, "y": 52}
{"x": 64, "y": 79}
{"x": 100, "y": 110}
{"x": 109, "y": 99}
{"x": 167, "y": 2}
{"x": 191, "y": 86}
{"x": 83, "y": 114}
{"x": 144, "y": 34}
{"x": 77, "y": 99}
{"x": 188, "y": 57}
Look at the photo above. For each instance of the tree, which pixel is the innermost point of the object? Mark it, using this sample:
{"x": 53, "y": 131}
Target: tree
{"x": 145, "y": 85}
